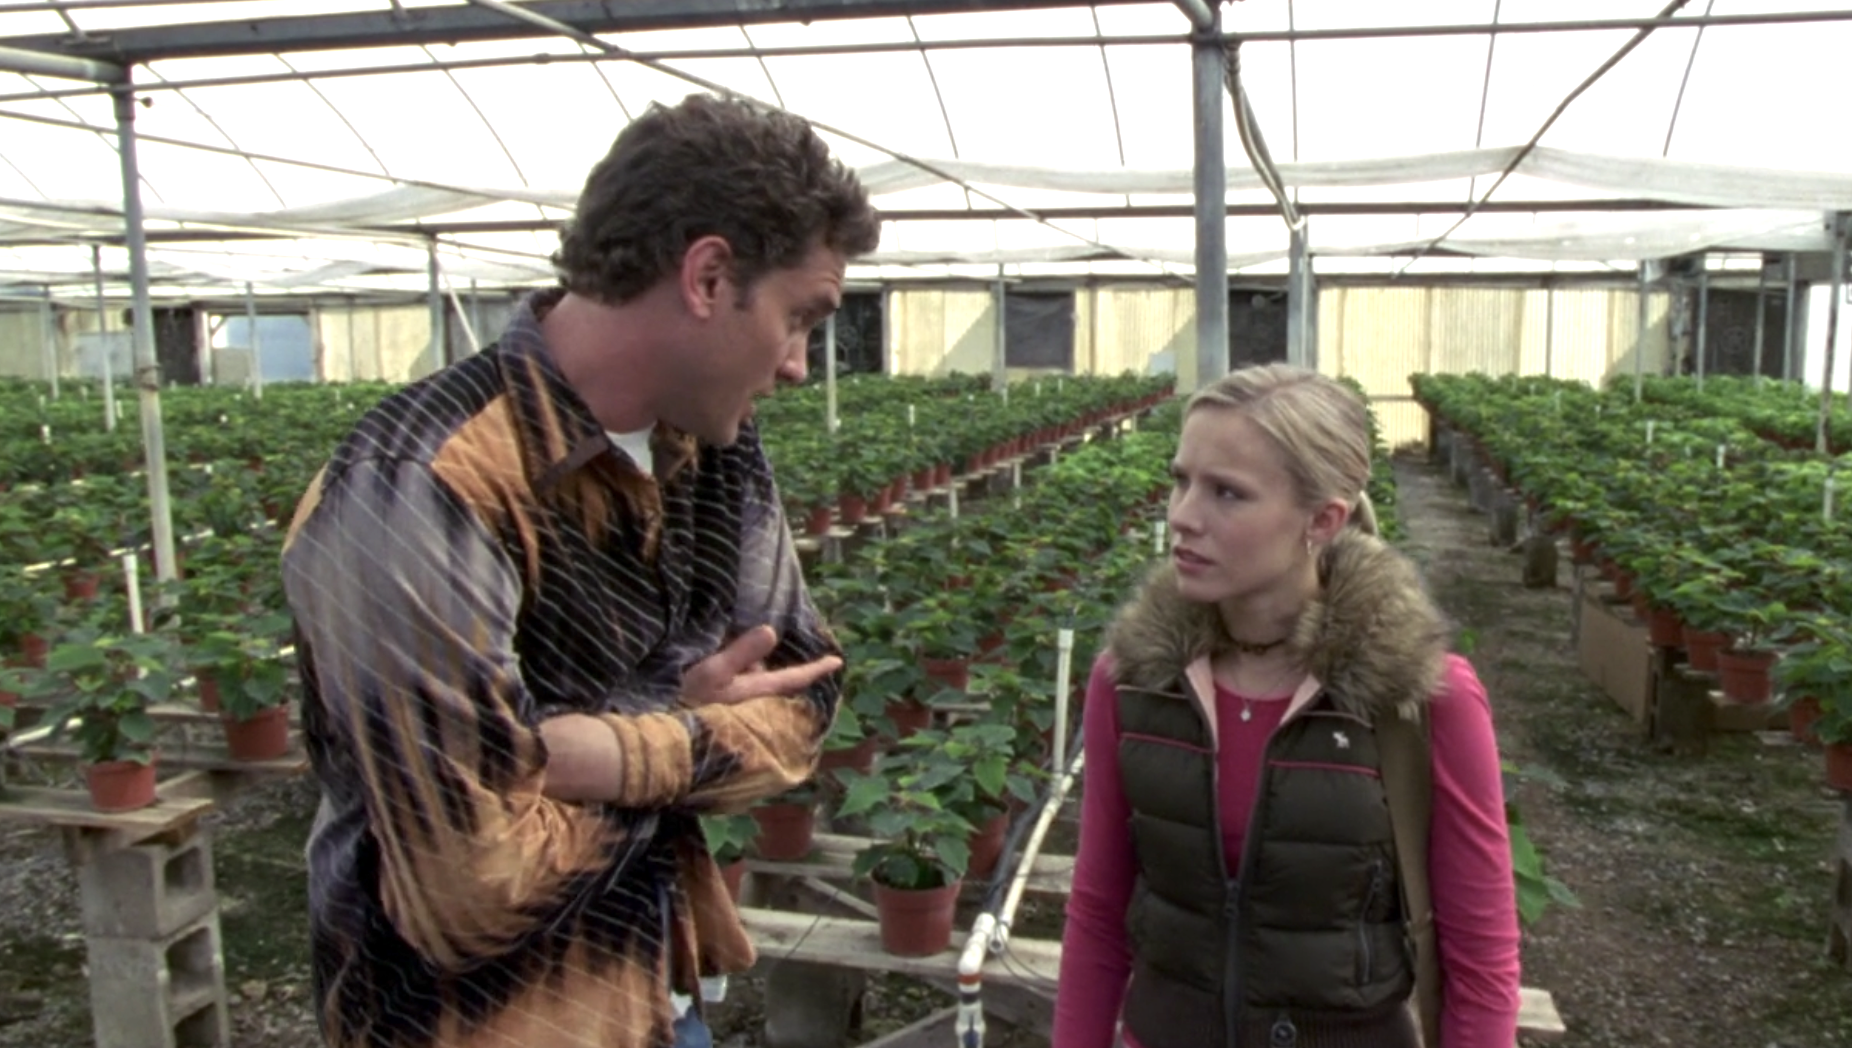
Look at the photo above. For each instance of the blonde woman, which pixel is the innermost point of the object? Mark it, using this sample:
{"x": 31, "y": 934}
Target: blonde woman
{"x": 1237, "y": 882}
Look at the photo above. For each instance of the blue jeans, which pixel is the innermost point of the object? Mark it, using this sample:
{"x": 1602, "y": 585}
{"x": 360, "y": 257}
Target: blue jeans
{"x": 691, "y": 1032}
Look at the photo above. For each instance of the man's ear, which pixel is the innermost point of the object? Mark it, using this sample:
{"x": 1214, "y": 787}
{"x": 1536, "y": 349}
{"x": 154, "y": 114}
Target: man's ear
{"x": 706, "y": 276}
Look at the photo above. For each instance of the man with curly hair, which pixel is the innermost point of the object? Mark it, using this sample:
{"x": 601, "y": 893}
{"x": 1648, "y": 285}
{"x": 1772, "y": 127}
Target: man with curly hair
{"x": 548, "y": 612}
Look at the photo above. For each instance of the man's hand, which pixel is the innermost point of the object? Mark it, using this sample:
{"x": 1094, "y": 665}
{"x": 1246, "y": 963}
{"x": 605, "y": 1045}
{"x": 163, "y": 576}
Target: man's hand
{"x": 737, "y": 672}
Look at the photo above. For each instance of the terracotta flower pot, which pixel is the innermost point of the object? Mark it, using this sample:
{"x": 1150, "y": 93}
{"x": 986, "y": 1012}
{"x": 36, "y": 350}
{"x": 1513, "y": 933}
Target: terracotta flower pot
{"x": 785, "y": 831}
{"x": 860, "y": 757}
{"x": 1663, "y": 629}
{"x": 909, "y": 716}
{"x": 953, "y": 673}
{"x": 854, "y": 509}
{"x": 1839, "y": 766}
{"x": 262, "y": 737}
{"x": 916, "y": 923}
{"x": 1801, "y": 715}
{"x": 120, "y": 785}
{"x": 208, "y": 692}
{"x": 33, "y": 648}
{"x": 987, "y": 845}
{"x": 818, "y": 520}
{"x": 81, "y": 585}
{"x": 733, "y": 875}
{"x": 1702, "y": 647}
{"x": 1743, "y": 675}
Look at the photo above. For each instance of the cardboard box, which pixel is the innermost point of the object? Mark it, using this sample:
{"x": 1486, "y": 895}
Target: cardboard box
{"x": 1612, "y": 650}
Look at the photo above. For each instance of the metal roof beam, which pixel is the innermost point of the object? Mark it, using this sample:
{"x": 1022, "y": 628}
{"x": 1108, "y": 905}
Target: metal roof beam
{"x": 36, "y": 62}
{"x": 411, "y": 26}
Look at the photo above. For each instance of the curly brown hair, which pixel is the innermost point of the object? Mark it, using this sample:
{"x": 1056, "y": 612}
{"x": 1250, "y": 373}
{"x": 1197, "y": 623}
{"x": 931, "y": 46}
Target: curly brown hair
{"x": 762, "y": 179}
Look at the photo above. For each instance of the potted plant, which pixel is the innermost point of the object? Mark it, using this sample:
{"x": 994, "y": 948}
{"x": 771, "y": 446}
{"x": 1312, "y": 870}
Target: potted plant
{"x": 785, "y": 824}
{"x": 249, "y": 680}
{"x": 100, "y": 686}
{"x": 1814, "y": 677}
{"x": 917, "y": 863}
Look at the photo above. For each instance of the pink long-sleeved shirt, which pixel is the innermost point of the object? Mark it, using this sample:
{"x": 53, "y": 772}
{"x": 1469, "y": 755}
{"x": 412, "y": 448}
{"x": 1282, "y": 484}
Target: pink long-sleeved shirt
{"x": 1469, "y": 862}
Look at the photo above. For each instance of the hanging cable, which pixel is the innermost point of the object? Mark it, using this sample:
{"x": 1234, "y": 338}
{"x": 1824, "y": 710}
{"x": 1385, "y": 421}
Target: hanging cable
{"x": 1587, "y": 82}
{"x": 570, "y": 32}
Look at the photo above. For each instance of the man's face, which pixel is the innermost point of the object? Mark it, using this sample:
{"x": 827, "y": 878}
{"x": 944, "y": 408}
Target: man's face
{"x": 751, "y": 343}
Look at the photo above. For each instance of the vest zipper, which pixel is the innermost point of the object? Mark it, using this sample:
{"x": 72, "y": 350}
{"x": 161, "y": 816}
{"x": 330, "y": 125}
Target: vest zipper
{"x": 1365, "y": 962}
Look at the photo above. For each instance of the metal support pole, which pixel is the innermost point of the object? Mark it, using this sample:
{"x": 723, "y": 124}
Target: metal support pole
{"x": 102, "y": 337}
{"x": 475, "y": 314}
{"x": 1789, "y": 339}
{"x": 1704, "y": 304}
{"x": 1209, "y": 62}
{"x": 250, "y": 327}
{"x": 147, "y": 365}
{"x": 48, "y": 342}
{"x": 1549, "y": 331}
{"x": 999, "y": 362}
{"x": 440, "y": 346}
{"x": 1838, "y": 290}
{"x": 1761, "y": 320}
{"x": 1300, "y": 347}
{"x": 829, "y": 374}
{"x": 1639, "y": 339}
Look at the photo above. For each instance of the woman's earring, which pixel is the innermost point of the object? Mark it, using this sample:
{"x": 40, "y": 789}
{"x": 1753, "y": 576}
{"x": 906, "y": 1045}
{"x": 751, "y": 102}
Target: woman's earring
{"x": 1308, "y": 545}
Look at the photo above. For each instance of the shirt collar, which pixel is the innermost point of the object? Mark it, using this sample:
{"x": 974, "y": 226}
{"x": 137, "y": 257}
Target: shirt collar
{"x": 558, "y": 433}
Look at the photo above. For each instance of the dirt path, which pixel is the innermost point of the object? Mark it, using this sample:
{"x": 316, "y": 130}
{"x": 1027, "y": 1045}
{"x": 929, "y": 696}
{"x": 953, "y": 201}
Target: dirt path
{"x": 1705, "y": 882}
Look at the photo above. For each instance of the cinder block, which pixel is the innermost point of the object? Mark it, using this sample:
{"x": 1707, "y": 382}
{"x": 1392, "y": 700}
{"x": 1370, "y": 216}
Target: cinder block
{"x": 160, "y": 993}
{"x": 148, "y": 891}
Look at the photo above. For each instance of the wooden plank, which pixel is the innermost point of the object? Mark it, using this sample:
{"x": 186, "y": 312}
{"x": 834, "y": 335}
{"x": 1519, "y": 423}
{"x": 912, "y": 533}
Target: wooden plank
{"x": 1031, "y": 963}
{"x": 53, "y": 807}
{"x": 832, "y": 857}
{"x": 200, "y": 756}
{"x": 1537, "y": 1017}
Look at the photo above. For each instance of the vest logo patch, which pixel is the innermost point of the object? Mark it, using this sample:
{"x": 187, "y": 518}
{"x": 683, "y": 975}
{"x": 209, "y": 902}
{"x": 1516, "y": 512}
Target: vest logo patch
{"x": 1341, "y": 739}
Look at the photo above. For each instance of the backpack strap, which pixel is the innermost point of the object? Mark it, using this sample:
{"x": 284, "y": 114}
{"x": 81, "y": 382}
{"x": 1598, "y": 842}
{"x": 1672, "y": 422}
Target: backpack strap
{"x": 1408, "y": 781}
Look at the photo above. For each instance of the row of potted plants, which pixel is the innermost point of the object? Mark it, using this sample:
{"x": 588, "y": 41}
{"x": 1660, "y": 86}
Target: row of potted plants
{"x": 1722, "y": 538}
{"x": 947, "y": 719}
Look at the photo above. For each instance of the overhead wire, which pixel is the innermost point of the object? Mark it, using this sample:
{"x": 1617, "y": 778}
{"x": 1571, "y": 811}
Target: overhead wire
{"x": 1529, "y": 147}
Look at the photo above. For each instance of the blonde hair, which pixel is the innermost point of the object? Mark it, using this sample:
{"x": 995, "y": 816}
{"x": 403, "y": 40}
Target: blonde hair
{"x": 1321, "y": 428}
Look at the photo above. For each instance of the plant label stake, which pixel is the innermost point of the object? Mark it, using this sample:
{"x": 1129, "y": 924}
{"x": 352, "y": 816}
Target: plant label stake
{"x": 44, "y": 433}
{"x": 1016, "y": 477}
{"x": 1064, "y": 665}
{"x": 118, "y": 411}
{"x": 131, "y": 577}
{"x": 952, "y": 506}
{"x": 1557, "y": 400}
{"x": 1157, "y": 537}
{"x": 1038, "y": 387}
{"x": 910, "y": 417}
{"x": 1720, "y": 451}
{"x": 1649, "y": 430}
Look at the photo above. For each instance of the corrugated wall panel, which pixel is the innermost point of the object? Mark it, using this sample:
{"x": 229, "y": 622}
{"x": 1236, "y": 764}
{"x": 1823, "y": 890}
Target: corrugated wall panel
{"x": 22, "y": 343}
{"x": 1476, "y": 329}
{"x": 1143, "y": 329}
{"x": 1379, "y": 336}
{"x": 938, "y": 330}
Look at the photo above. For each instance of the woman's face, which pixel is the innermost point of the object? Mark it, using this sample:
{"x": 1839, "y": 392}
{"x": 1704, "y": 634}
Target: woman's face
{"x": 1238, "y": 529}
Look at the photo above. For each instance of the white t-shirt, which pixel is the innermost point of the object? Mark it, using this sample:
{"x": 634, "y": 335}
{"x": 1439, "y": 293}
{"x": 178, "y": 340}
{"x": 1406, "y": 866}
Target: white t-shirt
{"x": 636, "y": 445}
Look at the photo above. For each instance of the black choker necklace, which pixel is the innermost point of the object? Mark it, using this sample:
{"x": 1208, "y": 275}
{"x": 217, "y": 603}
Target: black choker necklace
{"x": 1246, "y": 648}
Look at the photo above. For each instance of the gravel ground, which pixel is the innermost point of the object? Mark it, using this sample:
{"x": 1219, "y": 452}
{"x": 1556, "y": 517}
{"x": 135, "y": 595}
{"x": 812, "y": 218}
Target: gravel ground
{"x": 1705, "y": 882}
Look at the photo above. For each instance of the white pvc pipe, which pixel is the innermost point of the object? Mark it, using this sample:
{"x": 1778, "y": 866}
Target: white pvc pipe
{"x": 131, "y": 574}
{"x": 1064, "y": 663}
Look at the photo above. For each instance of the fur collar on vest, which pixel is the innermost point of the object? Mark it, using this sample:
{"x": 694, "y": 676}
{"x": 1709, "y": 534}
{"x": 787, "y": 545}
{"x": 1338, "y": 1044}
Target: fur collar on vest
{"x": 1372, "y": 636}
